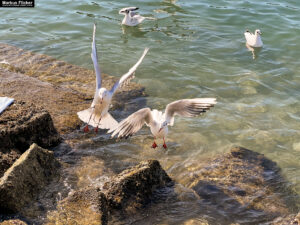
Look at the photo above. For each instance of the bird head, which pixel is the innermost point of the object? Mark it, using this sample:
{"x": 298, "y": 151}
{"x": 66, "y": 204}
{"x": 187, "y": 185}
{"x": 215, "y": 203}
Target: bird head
{"x": 125, "y": 11}
{"x": 257, "y": 32}
{"x": 163, "y": 125}
{"x": 103, "y": 94}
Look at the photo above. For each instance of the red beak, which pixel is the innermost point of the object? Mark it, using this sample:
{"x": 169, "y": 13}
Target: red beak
{"x": 160, "y": 129}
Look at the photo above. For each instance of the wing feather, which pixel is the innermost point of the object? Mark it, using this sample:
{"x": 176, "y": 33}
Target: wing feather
{"x": 132, "y": 123}
{"x": 129, "y": 75}
{"x": 188, "y": 108}
{"x": 94, "y": 56}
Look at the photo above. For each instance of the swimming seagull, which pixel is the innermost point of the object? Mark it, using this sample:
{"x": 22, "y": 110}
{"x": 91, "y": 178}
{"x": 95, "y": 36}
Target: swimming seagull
{"x": 159, "y": 121}
{"x": 253, "y": 40}
{"x": 97, "y": 115}
{"x": 132, "y": 18}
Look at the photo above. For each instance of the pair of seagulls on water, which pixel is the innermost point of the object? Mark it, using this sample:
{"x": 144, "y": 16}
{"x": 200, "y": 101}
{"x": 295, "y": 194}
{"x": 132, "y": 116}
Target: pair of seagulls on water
{"x": 132, "y": 18}
{"x": 99, "y": 117}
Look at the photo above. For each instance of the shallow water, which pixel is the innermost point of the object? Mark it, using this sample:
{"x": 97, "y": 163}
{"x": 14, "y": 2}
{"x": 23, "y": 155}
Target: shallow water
{"x": 197, "y": 50}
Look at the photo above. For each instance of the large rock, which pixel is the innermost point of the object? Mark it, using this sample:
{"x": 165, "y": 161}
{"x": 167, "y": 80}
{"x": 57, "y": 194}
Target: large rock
{"x": 87, "y": 207}
{"x": 26, "y": 177}
{"x": 23, "y": 124}
{"x": 243, "y": 187}
{"x": 134, "y": 187}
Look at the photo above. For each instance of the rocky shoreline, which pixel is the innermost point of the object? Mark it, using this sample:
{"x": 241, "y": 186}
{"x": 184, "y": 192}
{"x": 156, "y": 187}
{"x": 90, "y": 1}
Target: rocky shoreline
{"x": 234, "y": 188}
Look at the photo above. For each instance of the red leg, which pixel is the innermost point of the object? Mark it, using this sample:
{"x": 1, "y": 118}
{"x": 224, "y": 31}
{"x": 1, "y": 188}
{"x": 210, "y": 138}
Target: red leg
{"x": 164, "y": 145}
{"x": 86, "y": 128}
{"x": 154, "y": 145}
{"x": 96, "y": 128}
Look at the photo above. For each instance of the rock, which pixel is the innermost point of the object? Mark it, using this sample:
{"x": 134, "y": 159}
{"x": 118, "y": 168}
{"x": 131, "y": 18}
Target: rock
{"x": 26, "y": 177}
{"x": 23, "y": 124}
{"x": 13, "y": 222}
{"x": 61, "y": 88}
{"x": 243, "y": 186}
{"x": 87, "y": 206}
{"x": 133, "y": 188}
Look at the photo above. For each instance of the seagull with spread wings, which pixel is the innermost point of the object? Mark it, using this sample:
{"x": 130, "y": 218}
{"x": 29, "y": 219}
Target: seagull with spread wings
{"x": 97, "y": 115}
{"x": 159, "y": 121}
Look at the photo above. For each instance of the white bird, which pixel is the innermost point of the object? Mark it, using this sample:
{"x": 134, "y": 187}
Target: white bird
{"x": 159, "y": 121}
{"x": 97, "y": 115}
{"x": 253, "y": 40}
{"x": 131, "y": 18}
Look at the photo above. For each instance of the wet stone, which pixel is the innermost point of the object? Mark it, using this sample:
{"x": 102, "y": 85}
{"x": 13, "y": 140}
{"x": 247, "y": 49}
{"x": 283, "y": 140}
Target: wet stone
{"x": 133, "y": 188}
{"x": 87, "y": 206}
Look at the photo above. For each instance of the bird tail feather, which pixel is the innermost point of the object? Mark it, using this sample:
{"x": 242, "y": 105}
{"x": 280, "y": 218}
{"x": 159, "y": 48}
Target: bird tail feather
{"x": 107, "y": 121}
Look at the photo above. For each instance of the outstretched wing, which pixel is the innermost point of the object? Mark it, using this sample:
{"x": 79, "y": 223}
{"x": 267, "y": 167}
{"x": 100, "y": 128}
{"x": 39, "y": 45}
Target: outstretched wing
{"x": 188, "y": 108}
{"x": 133, "y": 123}
{"x": 95, "y": 61}
{"x": 129, "y": 75}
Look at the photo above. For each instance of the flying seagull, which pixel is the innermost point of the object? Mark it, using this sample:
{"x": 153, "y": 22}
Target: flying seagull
{"x": 132, "y": 18}
{"x": 159, "y": 121}
{"x": 97, "y": 115}
{"x": 253, "y": 40}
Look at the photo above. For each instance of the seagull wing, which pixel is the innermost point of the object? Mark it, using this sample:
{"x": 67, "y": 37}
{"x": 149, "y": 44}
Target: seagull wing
{"x": 133, "y": 123}
{"x": 129, "y": 75}
{"x": 188, "y": 108}
{"x": 95, "y": 61}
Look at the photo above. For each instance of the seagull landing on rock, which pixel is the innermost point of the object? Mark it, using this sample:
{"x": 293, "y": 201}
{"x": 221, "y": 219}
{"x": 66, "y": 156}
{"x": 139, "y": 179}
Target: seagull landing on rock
{"x": 132, "y": 18}
{"x": 159, "y": 121}
{"x": 97, "y": 115}
{"x": 253, "y": 40}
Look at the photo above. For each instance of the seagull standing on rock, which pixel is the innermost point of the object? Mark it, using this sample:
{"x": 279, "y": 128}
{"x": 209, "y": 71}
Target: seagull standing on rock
{"x": 97, "y": 115}
{"x": 159, "y": 121}
{"x": 131, "y": 18}
{"x": 253, "y": 40}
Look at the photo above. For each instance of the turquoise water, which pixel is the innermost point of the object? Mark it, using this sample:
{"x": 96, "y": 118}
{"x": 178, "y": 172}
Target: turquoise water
{"x": 197, "y": 49}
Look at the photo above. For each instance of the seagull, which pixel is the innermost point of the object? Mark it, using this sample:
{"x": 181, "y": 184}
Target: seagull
{"x": 159, "y": 121}
{"x": 97, "y": 115}
{"x": 132, "y": 18}
{"x": 253, "y": 40}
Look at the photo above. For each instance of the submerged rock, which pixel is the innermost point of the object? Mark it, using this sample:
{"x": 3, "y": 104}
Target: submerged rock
{"x": 134, "y": 187}
{"x": 243, "y": 187}
{"x": 87, "y": 207}
{"x": 26, "y": 177}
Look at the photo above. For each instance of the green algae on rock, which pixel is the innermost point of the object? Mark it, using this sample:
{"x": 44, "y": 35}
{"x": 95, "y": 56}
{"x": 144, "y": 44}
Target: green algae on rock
{"x": 26, "y": 177}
